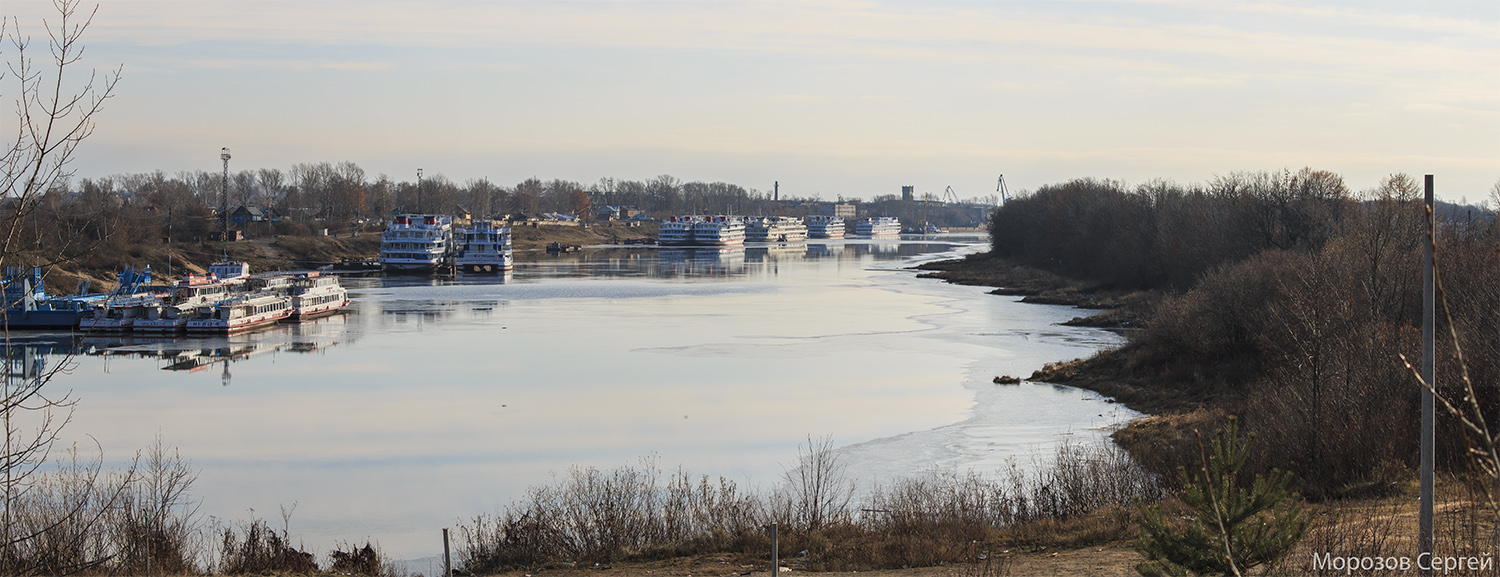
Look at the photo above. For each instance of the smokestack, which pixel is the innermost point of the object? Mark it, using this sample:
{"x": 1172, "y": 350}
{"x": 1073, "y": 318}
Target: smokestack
{"x": 776, "y": 191}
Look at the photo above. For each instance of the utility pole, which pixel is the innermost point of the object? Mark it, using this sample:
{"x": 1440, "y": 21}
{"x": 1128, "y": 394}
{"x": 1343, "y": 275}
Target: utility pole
{"x": 224, "y": 198}
{"x": 1429, "y": 328}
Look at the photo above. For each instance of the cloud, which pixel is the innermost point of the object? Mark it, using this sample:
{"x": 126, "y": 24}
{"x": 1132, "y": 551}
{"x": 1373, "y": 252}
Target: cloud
{"x": 1181, "y": 45}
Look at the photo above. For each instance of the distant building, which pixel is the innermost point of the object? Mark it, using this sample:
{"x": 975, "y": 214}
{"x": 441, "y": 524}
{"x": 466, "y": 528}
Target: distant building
{"x": 248, "y": 214}
{"x": 908, "y": 193}
{"x": 619, "y": 213}
{"x": 843, "y": 209}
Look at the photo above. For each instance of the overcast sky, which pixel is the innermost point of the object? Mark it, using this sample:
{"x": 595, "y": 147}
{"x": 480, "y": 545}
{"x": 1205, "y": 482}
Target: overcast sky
{"x": 829, "y": 98}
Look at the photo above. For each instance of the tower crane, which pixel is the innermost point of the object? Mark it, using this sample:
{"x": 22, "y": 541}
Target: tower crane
{"x": 1000, "y": 188}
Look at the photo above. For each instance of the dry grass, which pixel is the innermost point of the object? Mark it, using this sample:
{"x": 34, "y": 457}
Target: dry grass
{"x": 633, "y": 513}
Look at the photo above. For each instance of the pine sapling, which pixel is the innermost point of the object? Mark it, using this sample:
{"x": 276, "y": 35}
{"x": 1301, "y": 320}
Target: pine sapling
{"x": 1228, "y": 529}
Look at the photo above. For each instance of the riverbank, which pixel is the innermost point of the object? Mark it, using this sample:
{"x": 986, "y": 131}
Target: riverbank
{"x": 1113, "y": 308}
{"x": 304, "y": 252}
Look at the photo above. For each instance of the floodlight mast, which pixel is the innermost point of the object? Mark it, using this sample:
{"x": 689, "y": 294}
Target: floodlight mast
{"x": 224, "y": 197}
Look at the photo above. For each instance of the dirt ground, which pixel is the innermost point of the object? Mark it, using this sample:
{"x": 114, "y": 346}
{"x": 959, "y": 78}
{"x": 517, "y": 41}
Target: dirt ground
{"x": 1112, "y": 559}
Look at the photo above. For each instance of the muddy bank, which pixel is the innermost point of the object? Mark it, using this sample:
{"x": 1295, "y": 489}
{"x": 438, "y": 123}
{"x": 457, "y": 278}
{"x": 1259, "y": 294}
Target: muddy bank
{"x": 1106, "y": 307}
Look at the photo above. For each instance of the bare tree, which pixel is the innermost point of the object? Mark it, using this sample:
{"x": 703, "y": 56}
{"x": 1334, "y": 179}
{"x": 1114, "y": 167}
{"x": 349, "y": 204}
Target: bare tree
{"x": 821, "y": 489}
{"x": 52, "y": 120}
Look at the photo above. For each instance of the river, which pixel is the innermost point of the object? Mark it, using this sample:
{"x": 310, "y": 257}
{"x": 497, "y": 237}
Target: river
{"x": 432, "y": 401}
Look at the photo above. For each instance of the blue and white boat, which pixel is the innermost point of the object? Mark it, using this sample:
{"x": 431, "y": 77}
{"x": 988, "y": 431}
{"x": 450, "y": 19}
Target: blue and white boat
{"x": 28, "y": 306}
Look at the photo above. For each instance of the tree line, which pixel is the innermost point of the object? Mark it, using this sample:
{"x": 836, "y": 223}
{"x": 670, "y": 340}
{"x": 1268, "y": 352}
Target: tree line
{"x": 343, "y": 193}
{"x": 1286, "y": 299}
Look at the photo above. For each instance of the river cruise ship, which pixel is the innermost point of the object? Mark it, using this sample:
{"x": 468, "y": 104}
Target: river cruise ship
{"x": 482, "y": 247}
{"x": 878, "y": 226}
{"x": 315, "y": 295}
{"x": 416, "y": 243}
{"x": 719, "y": 231}
{"x": 825, "y": 226}
{"x": 677, "y": 231}
{"x": 775, "y": 229}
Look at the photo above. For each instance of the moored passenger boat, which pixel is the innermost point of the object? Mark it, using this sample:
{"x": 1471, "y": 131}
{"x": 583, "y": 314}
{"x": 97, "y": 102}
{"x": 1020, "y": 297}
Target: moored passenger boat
{"x": 416, "y": 243}
{"x": 676, "y": 231}
{"x": 241, "y": 313}
{"x": 775, "y": 229}
{"x": 878, "y": 226}
{"x": 825, "y": 226}
{"x": 719, "y": 231}
{"x": 192, "y": 293}
{"x": 315, "y": 295}
{"x": 482, "y": 246}
{"x": 119, "y": 316}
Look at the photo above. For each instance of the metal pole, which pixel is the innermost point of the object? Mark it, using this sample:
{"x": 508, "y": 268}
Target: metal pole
{"x": 775, "y": 552}
{"x": 1429, "y": 326}
{"x": 447, "y": 560}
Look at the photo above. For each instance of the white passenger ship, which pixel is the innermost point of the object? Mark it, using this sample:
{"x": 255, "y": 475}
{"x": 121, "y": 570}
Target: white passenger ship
{"x": 119, "y": 316}
{"x": 775, "y": 229}
{"x": 719, "y": 231}
{"x": 241, "y": 313}
{"x": 482, "y": 247}
{"x": 676, "y": 231}
{"x": 878, "y": 226}
{"x": 825, "y": 226}
{"x": 416, "y": 243}
{"x": 314, "y": 295}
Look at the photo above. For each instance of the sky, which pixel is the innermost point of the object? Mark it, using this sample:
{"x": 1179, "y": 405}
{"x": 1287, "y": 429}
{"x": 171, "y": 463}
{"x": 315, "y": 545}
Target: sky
{"x": 826, "y": 98}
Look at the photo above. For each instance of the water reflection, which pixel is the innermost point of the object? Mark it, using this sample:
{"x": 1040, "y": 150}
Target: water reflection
{"x": 448, "y": 396}
{"x": 28, "y": 356}
{"x": 697, "y": 264}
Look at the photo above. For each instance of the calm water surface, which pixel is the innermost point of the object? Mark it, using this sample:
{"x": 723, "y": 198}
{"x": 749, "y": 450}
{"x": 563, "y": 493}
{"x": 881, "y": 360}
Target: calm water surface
{"x": 435, "y": 400}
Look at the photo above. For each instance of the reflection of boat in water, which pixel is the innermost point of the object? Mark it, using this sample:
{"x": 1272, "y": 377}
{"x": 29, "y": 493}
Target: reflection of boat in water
{"x": 776, "y": 252}
{"x": 825, "y": 226}
{"x": 878, "y": 226}
{"x": 482, "y": 247}
{"x": 775, "y": 229}
{"x": 824, "y": 250}
{"x": 703, "y": 260}
{"x": 874, "y": 248}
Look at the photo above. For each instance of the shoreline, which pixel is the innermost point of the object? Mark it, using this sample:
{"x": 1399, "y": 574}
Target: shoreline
{"x": 1107, "y": 371}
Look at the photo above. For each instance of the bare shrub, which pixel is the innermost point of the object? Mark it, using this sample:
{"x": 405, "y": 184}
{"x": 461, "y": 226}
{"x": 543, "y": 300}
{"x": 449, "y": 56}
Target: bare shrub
{"x": 632, "y": 513}
{"x": 820, "y": 488}
{"x": 59, "y": 521}
{"x": 347, "y": 559}
{"x": 257, "y": 548}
